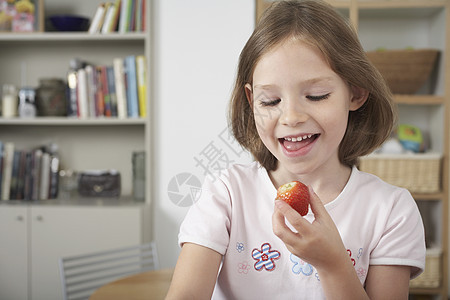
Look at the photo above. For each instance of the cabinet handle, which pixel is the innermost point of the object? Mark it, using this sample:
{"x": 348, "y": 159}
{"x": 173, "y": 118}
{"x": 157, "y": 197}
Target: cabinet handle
{"x": 40, "y": 218}
{"x": 19, "y": 218}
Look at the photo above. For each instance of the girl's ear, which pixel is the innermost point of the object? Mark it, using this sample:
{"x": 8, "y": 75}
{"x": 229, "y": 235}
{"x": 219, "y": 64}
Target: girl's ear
{"x": 249, "y": 94}
{"x": 358, "y": 98}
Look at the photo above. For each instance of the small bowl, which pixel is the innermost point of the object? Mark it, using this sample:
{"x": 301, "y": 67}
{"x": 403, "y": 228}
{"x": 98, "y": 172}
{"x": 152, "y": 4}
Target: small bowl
{"x": 69, "y": 23}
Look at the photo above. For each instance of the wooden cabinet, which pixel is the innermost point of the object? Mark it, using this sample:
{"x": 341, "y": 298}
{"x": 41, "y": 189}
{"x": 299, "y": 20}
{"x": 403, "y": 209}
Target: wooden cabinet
{"x": 419, "y": 24}
{"x": 35, "y": 236}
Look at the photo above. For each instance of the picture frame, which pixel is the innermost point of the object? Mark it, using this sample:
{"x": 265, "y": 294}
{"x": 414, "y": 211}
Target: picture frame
{"x": 24, "y": 16}
{"x": 260, "y": 7}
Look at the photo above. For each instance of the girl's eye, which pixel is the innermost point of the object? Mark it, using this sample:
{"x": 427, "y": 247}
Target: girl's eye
{"x": 318, "y": 98}
{"x": 270, "y": 102}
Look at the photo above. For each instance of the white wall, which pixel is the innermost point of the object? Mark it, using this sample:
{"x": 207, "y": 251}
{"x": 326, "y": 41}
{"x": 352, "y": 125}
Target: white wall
{"x": 196, "y": 49}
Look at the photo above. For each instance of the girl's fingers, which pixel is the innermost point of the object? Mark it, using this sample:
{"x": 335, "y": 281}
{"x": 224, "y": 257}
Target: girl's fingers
{"x": 317, "y": 206}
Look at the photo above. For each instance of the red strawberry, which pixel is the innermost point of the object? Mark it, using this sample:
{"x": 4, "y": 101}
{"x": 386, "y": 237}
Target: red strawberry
{"x": 295, "y": 194}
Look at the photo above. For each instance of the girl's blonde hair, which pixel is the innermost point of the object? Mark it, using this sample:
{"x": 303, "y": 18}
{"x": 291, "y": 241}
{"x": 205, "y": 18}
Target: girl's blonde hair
{"x": 319, "y": 24}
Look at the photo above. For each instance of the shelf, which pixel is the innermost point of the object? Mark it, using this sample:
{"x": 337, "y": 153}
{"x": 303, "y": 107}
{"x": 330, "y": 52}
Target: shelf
{"x": 419, "y": 99}
{"x": 428, "y": 197}
{"x": 74, "y": 36}
{"x": 65, "y": 121}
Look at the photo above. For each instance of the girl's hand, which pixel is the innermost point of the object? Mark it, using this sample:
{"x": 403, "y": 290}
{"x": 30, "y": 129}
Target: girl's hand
{"x": 317, "y": 243}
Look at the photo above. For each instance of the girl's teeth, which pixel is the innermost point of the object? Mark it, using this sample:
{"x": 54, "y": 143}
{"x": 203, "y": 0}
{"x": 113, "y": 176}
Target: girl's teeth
{"x": 298, "y": 139}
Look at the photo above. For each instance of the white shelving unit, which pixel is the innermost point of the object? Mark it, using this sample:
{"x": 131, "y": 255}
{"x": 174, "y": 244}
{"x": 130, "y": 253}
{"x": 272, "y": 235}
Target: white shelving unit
{"x": 84, "y": 144}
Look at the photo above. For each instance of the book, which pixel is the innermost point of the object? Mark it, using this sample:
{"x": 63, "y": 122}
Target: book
{"x": 28, "y": 183}
{"x": 13, "y": 187}
{"x": 132, "y": 95}
{"x": 98, "y": 18}
{"x": 141, "y": 73}
{"x": 115, "y": 22}
{"x": 99, "y": 97}
{"x": 54, "y": 177}
{"x": 91, "y": 90}
{"x": 82, "y": 94}
{"x": 36, "y": 174}
{"x": 109, "y": 18}
{"x": 112, "y": 90}
{"x": 105, "y": 88}
{"x": 7, "y": 169}
{"x": 124, "y": 19}
{"x": 44, "y": 186}
{"x": 119, "y": 77}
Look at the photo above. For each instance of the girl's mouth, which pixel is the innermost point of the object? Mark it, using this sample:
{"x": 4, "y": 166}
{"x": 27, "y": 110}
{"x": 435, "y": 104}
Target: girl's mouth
{"x": 297, "y": 143}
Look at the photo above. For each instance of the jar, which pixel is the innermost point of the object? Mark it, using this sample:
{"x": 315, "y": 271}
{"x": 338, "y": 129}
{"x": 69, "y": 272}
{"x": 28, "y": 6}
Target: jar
{"x": 51, "y": 97}
{"x": 9, "y": 101}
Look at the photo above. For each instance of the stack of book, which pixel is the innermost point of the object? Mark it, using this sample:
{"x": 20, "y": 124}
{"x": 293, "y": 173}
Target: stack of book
{"x": 116, "y": 90}
{"x": 120, "y": 16}
{"x": 28, "y": 174}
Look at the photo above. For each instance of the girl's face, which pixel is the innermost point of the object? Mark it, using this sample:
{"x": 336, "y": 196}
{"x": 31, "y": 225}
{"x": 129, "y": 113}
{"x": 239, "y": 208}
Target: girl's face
{"x": 301, "y": 108}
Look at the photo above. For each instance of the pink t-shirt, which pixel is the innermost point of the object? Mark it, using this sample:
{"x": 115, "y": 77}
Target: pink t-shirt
{"x": 379, "y": 224}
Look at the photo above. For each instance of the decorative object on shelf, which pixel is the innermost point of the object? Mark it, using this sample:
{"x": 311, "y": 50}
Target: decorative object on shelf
{"x": 69, "y": 23}
{"x": 51, "y": 97}
{"x": 21, "y": 15}
{"x": 138, "y": 161}
{"x": 405, "y": 71}
{"x": 9, "y": 101}
{"x": 410, "y": 137}
{"x": 27, "y": 102}
{"x": 68, "y": 184}
{"x": 99, "y": 183}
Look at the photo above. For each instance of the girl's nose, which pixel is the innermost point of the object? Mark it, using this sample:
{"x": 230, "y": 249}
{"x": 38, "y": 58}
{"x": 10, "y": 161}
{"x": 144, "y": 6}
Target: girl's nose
{"x": 293, "y": 113}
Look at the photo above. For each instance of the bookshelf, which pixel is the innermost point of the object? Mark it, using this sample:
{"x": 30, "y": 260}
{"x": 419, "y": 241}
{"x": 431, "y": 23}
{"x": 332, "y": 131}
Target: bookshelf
{"x": 28, "y": 57}
{"x": 84, "y": 144}
{"x": 419, "y": 24}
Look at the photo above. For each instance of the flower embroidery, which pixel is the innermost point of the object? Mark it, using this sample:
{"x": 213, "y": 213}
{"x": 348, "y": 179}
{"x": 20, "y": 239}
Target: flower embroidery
{"x": 265, "y": 257}
{"x": 361, "y": 273}
{"x": 300, "y": 266}
{"x": 350, "y": 254}
{"x": 239, "y": 247}
{"x": 243, "y": 267}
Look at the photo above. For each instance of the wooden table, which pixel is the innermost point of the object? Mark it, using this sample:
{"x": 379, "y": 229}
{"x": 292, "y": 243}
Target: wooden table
{"x": 147, "y": 285}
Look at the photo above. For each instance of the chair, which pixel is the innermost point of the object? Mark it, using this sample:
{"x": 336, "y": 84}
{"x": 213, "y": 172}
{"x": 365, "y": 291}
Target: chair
{"x": 81, "y": 275}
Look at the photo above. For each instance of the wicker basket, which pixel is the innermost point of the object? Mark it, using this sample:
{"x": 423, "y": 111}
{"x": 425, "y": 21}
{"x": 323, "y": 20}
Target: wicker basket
{"x": 419, "y": 173}
{"x": 405, "y": 71}
{"x": 431, "y": 276}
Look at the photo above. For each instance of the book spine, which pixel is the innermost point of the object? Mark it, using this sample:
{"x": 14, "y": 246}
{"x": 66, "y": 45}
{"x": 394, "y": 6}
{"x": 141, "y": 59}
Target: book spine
{"x": 141, "y": 71}
{"x": 21, "y": 175}
{"x": 14, "y": 176}
{"x": 7, "y": 169}
{"x": 97, "y": 20}
{"x": 36, "y": 174}
{"x": 91, "y": 90}
{"x": 115, "y": 22}
{"x": 54, "y": 177}
{"x": 109, "y": 18}
{"x": 83, "y": 111}
{"x": 112, "y": 90}
{"x": 124, "y": 12}
{"x": 100, "y": 98}
{"x": 44, "y": 177}
{"x": 132, "y": 95}
{"x": 106, "y": 95}
{"x": 119, "y": 77}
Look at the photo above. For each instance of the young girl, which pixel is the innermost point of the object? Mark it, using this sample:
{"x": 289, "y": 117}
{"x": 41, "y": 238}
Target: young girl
{"x": 306, "y": 104}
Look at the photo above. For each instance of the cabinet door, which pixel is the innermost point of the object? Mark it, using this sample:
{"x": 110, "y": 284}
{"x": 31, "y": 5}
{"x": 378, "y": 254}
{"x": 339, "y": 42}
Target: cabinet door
{"x": 13, "y": 252}
{"x": 66, "y": 231}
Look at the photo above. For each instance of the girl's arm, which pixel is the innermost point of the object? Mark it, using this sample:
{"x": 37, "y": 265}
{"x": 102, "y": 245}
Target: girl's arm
{"x": 195, "y": 273}
{"x": 319, "y": 243}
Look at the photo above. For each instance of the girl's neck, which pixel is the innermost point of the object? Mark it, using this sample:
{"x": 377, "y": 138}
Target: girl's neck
{"x": 327, "y": 183}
